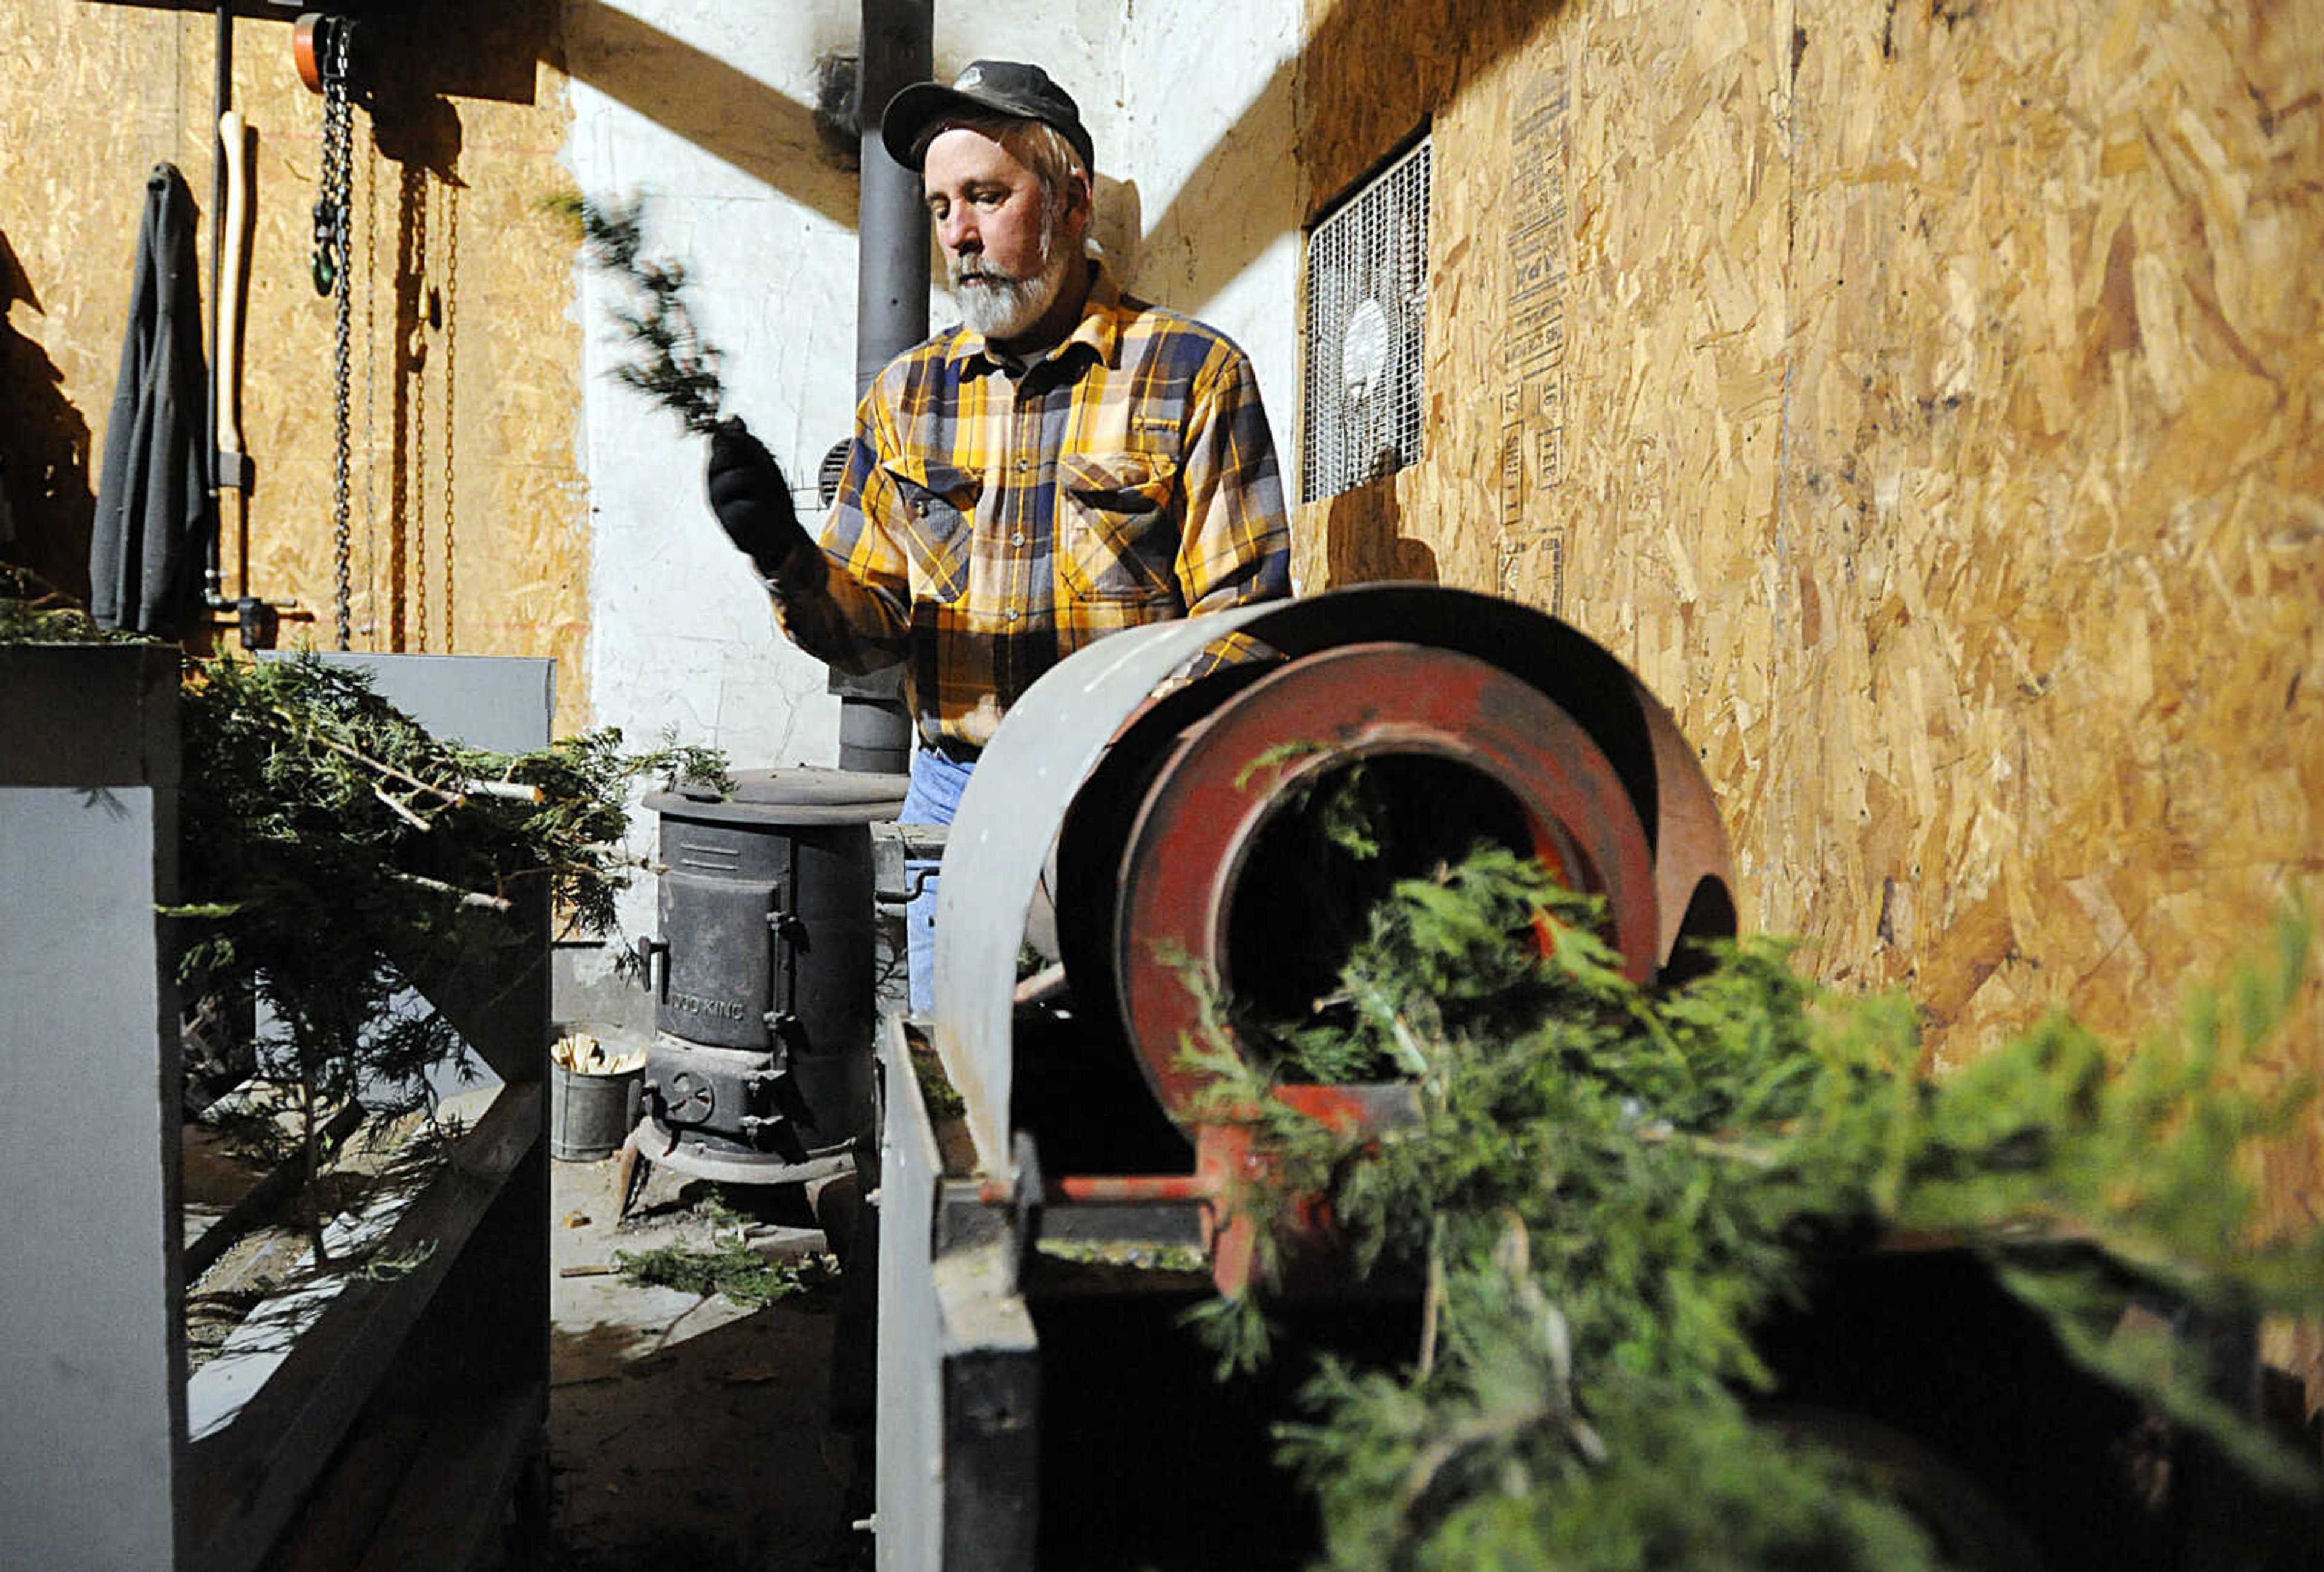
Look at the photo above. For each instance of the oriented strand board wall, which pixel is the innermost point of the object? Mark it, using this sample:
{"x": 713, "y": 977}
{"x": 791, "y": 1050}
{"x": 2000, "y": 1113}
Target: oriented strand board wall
{"x": 466, "y": 523}
{"x": 1924, "y": 399}
{"x": 92, "y": 98}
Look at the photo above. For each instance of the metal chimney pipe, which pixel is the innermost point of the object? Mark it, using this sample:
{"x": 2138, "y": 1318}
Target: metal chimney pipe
{"x": 892, "y": 286}
{"x": 891, "y": 315}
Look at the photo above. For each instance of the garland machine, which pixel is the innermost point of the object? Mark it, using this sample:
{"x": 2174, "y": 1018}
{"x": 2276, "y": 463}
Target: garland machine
{"x": 1145, "y": 833}
{"x": 1143, "y": 859}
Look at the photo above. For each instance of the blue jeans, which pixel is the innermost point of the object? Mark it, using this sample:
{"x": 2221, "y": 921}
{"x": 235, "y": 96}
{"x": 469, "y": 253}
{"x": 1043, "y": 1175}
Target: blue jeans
{"x": 933, "y": 798}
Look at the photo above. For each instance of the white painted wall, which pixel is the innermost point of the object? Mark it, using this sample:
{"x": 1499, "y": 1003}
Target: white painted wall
{"x": 1206, "y": 87}
{"x": 680, "y": 635}
{"x": 705, "y": 107}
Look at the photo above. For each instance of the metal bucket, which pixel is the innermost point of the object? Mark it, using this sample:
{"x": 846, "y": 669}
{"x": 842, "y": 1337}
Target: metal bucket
{"x": 590, "y": 1115}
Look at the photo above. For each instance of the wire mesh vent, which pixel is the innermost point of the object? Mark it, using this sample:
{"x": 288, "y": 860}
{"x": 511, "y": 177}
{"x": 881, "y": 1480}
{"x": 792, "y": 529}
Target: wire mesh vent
{"x": 833, "y": 471}
{"x": 1367, "y": 298}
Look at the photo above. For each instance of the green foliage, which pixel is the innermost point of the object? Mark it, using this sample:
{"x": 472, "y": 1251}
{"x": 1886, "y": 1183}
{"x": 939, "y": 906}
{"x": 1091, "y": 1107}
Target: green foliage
{"x": 1611, "y": 1188}
{"x": 1237, "y": 1329}
{"x": 673, "y": 366}
{"x": 733, "y": 1269}
{"x": 336, "y": 854}
{"x": 386, "y": 1266}
{"x": 1127, "y": 1256}
{"x": 34, "y": 612}
{"x": 1340, "y": 808}
{"x": 312, "y": 805}
{"x": 938, "y": 1095}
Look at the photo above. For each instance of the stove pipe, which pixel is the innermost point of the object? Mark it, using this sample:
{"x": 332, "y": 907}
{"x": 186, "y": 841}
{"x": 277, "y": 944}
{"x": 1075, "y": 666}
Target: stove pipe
{"x": 892, "y": 283}
{"x": 891, "y": 315}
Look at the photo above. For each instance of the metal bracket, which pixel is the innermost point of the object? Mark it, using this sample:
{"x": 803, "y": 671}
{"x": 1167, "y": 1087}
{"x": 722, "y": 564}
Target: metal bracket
{"x": 964, "y": 1219}
{"x": 646, "y": 950}
{"x": 895, "y": 846}
{"x": 1025, "y": 1206}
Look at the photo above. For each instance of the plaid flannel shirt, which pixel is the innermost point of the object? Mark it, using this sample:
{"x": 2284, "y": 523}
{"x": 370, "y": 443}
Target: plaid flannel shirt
{"x": 989, "y": 524}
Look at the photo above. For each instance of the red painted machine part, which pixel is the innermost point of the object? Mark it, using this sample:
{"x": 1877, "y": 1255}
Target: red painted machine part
{"x": 304, "y": 44}
{"x": 1186, "y": 853}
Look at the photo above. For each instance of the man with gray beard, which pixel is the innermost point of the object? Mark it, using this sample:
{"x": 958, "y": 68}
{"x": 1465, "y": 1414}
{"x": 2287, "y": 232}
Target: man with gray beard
{"x": 1066, "y": 463}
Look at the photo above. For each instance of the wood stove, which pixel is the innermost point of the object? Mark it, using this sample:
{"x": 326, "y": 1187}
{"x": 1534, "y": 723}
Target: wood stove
{"x": 763, "y": 974}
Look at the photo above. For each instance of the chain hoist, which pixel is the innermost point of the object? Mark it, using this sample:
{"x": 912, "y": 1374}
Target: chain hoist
{"x": 414, "y": 363}
{"x": 333, "y": 212}
{"x": 371, "y": 391}
{"x": 451, "y": 299}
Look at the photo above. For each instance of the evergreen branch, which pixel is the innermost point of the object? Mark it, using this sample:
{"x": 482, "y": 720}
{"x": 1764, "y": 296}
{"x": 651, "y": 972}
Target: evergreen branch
{"x": 324, "y": 890}
{"x": 32, "y": 611}
{"x": 1462, "y": 1440}
{"x": 400, "y": 810}
{"x": 1611, "y": 1189}
{"x": 673, "y": 365}
{"x": 507, "y": 790}
{"x": 465, "y": 897}
{"x": 390, "y": 771}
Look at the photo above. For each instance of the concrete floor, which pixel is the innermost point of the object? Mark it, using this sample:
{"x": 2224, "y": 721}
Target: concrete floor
{"x": 685, "y": 1431}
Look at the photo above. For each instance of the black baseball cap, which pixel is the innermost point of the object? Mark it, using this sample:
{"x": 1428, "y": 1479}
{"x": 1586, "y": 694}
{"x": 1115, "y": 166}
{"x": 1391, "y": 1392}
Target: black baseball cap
{"x": 987, "y": 87}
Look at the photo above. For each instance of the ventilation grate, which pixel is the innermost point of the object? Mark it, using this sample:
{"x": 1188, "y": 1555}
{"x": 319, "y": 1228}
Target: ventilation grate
{"x": 1366, "y": 298}
{"x": 834, "y": 469}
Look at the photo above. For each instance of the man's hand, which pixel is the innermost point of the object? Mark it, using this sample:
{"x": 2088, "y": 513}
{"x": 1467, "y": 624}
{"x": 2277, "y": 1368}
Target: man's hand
{"x": 753, "y": 503}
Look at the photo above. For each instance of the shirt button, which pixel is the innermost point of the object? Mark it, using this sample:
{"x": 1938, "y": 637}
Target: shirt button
{"x": 1018, "y": 538}
{"x": 1023, "y": 465}
{"x": 1008, "y": 615}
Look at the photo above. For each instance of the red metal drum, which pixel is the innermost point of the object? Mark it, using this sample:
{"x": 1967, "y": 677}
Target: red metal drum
{"x": 1467, "y": 749}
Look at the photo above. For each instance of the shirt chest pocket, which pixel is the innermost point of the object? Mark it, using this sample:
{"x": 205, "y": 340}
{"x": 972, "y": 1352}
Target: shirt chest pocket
{"x": 936, "y": 523}
{"x": 1118, "y": 526}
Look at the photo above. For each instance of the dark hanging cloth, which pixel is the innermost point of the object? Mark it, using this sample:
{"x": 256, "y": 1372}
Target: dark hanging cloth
{"x": 154, "y": 509}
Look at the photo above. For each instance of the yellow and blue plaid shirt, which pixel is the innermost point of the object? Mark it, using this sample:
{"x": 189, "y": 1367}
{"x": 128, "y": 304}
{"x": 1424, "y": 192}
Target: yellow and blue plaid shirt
{"x": 992, "y": 520}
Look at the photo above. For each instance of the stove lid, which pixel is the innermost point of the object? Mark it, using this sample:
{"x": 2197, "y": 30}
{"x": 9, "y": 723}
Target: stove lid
{"x": 798, "y": 794}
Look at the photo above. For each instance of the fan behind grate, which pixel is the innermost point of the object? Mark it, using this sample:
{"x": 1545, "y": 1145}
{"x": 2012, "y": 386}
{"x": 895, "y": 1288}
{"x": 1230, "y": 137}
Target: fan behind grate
{"x": 1367, "y": 298}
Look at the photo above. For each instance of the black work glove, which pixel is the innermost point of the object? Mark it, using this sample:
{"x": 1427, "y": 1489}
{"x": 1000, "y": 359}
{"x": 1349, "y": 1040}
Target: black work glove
{"x": 753, "y": 504}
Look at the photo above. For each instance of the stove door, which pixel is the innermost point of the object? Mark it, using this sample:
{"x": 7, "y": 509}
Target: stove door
{"x": 729, "y": 962}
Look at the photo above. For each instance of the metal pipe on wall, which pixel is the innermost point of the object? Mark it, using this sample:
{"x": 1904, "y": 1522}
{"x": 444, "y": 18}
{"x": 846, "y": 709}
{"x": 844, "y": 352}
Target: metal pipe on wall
{"x": 891, "y": 284}
{"x": 891, "y": 315}
{"x": 222, "y": 100}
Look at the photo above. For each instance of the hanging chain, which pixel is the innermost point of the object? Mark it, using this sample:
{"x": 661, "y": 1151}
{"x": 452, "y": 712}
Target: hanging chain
{"x": 416, "y": 201}
{"x": 451, "y": 427}
{"x": 332, "y": 213}
{"x": 371, "y": 394}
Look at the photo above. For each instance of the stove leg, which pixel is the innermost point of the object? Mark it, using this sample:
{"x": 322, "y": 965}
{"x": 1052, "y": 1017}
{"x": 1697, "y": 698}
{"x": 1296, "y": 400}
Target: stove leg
{"x": 626, "y": 1177}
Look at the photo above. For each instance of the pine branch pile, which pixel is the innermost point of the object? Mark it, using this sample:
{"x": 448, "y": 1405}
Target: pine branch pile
{"x": 1609, "y": 1190}
{"x": 34, "y": 612}
{"x": 673, "y": 365}
{"x": 732, "y": 1268}
{"x": 336, "y": 853}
